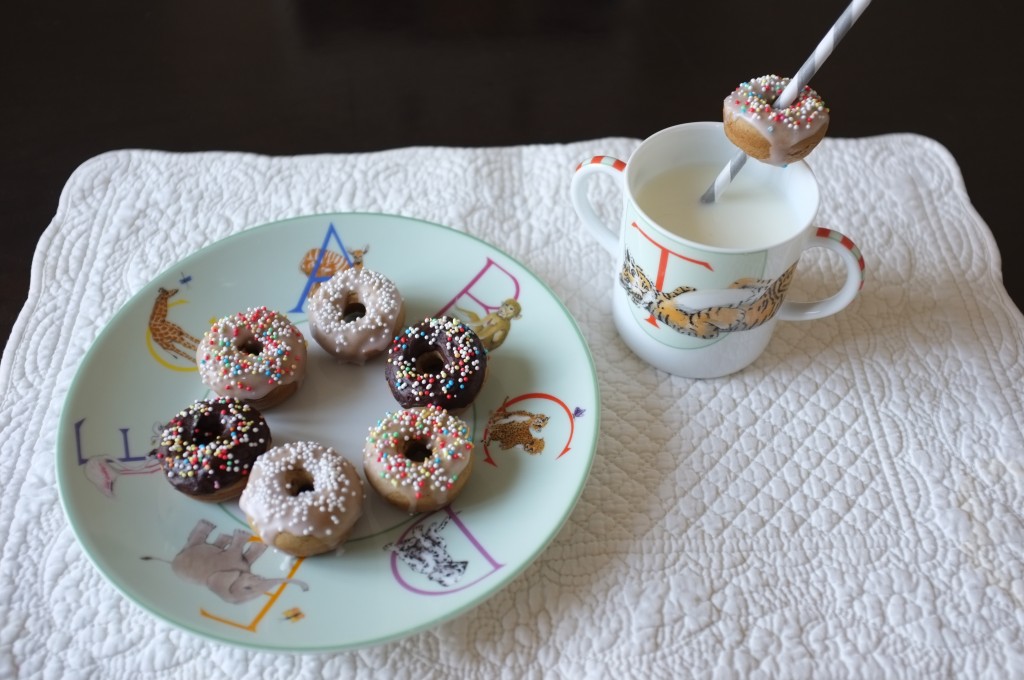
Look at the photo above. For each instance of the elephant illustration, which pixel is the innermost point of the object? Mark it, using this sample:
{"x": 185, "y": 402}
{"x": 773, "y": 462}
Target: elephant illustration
{"x": 225, "y": 565}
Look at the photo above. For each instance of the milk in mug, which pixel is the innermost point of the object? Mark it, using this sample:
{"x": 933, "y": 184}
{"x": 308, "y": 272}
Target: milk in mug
{"x": 752, "y": 214}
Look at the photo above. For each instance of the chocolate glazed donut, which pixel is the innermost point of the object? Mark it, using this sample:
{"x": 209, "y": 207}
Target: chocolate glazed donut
{"x": 207, "y": 449}
{"x": 440, "y": 361}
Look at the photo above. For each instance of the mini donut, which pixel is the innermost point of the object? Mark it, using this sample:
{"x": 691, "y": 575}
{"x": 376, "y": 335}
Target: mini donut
{"x": 257, "y": 356}
{"x": 439, "y": 361}
{"x": 303, "y": 498}
{"x": 208, "y": 449}
{"x": 774, "y": 136}
{"x": 418, "y": 459}
{"x": 355, "y": 314}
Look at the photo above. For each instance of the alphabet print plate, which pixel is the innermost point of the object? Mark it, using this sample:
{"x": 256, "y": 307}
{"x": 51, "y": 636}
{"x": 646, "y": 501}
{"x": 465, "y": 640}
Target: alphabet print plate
{"x": 198, "y": 566}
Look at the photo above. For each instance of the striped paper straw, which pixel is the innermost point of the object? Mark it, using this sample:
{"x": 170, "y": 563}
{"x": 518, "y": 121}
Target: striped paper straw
{"x": 796, "y": 84}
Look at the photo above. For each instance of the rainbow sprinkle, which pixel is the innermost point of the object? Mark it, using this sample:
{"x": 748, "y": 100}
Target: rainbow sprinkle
{"x": 205, "y": 438}
{"x": 445, "y": 439}
{"x": 246, "y": 349}
{"x": 460, "y": 344}
{"x": 754, "y": 99}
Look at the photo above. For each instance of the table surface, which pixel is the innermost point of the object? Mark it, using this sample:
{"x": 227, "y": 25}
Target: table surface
{"x": 285, "y": 78}
{"x": 847, "y": 506}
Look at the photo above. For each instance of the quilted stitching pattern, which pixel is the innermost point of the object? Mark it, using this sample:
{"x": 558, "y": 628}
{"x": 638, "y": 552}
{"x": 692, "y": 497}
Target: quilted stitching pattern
{"x": 848, "y": 506}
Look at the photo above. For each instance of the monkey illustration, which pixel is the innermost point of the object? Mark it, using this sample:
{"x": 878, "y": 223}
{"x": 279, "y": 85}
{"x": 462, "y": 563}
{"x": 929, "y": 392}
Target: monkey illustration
{"x": 493, "y": 328}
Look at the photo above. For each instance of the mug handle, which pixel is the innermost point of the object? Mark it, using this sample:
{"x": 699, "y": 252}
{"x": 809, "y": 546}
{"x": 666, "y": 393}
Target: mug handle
{"x": 854, "y": 261}
{"x": 606, "y": 234}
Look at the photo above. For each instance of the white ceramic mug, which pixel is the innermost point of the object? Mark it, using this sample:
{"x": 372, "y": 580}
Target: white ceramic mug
{"x": 699, "y": 287}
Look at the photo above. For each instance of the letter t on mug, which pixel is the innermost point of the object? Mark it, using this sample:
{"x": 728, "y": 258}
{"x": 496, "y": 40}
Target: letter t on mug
{"x": 699, "y": 286}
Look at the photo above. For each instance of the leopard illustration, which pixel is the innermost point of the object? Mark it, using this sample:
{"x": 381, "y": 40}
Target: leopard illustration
{"x": 516, "y": 428}
{"x": 760, "y": 305}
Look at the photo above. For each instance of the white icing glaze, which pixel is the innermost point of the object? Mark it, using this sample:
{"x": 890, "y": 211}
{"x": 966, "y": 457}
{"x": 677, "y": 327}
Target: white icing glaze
{"x": 752, "y": 101}
{"x": 249, "y": 354}
{"x": 356, "y": 339}
{"x": 276, "y": 503}
{"x": 446, "y": 438}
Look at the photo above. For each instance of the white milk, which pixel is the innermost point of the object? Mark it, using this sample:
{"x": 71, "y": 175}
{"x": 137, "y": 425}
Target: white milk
{"x": 750, "y": 214}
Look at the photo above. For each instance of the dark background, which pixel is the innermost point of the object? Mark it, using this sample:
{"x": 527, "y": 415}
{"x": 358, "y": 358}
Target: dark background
{"x": 311, "y": 76}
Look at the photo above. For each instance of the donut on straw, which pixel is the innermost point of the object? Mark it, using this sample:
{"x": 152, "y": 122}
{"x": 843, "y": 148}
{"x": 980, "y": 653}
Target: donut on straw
{"x": 777, "y": 136}
{"x": 809, "y": 68}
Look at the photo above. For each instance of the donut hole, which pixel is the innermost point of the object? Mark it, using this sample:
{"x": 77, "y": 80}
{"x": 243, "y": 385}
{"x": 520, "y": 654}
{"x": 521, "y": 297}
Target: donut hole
{"x": 415, "y": 450}
{"x": 250, "y": 346}
{"x": 351, "y": 308}
{"x": 298, "y": 482}
{"x": 430, "y": 362}
{"x": 207, "y": 430}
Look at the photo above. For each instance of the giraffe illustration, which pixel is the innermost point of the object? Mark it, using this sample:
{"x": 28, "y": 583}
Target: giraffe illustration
{"x": 167, "y": 334}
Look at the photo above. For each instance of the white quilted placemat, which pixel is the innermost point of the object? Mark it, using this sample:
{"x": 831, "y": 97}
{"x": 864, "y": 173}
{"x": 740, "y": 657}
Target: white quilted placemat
{"x": 848, "y": 506}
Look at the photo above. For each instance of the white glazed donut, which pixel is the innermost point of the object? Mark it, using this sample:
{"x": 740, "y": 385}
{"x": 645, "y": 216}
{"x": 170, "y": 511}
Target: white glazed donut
{"x": 303, "y": 498}
{"x": 774, "y": 136}
{"x": 355, "y": 314}
{"x": 418, "y": 459}
{"x": 256, "y": 356}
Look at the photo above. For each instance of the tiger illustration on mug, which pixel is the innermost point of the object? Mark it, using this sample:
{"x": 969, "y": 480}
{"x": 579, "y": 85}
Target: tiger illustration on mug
{"x": 764, "y": 300}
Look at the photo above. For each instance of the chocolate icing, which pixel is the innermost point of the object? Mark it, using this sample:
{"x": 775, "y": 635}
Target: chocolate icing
{"x": 438, "y": 361}
{"x": 195, "y": 446}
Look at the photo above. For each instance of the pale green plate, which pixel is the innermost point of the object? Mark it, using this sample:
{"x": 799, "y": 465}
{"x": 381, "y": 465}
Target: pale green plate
{"x": 398, "y": 574}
